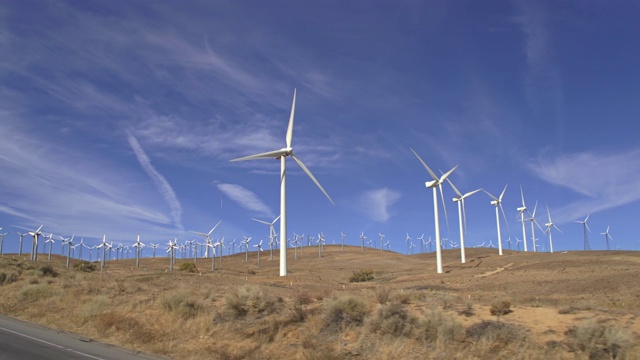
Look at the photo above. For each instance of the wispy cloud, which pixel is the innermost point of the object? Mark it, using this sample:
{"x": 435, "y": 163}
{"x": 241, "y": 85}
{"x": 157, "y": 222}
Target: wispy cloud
{"x": 605, "y": 180}
{"x": 246, "y": 199}
{"x": 163, "y": 186}
{"x": 376, "y": 204}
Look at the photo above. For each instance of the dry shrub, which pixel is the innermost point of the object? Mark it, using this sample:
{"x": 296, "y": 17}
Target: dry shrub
{"x": 302, "y": 299}
{"x": 437, "y": 326}
{"x": 47, "y": 270}
{"x": 383, "y": 295}
{"x": 35, "y": 292}
{"x": 468, "y": 310}
{"x": 392, "y": 319}
{"x": 344, "y": 311}
{"x": 361, "y": 275}
{"x": 96, "y": 307}
{"x": 9, "y": 278}
{"x": 402, "y": 297}
{"x": 178, "y": 302}
{"x": 497, "y": 335}
{"x": 500, "y": 308}
{"x": 250, "y": 300}
{"x": 84, "y": 266}
{"x": 188, "y": 267}
{"x": 599, "y": 341}
{"x": 132, "y": 329}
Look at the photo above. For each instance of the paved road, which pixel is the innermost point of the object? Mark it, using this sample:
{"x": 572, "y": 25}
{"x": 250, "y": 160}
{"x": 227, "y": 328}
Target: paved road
{"x": 23, "y": 341}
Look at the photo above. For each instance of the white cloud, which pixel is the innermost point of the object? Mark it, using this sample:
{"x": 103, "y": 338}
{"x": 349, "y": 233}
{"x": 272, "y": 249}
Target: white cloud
{"x": 161, "y": 183}
{"x": 376, "y": 204}
{"x": 246, "y": 199}
{"x": 606, "y": 180}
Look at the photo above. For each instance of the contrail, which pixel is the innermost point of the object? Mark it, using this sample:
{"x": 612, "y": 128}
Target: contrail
{"x": 161, "y": 183}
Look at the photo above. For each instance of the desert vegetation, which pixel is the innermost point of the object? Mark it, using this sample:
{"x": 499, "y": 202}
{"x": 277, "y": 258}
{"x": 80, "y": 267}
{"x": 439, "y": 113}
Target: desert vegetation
{"x": 321, "y": 314}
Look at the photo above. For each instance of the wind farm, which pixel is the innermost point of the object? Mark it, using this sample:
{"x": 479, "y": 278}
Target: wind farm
{"x": 134, "y": 207}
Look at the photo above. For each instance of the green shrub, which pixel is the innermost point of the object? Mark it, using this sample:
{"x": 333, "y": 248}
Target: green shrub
{"x": 361, "y": 275}
{"x": 178, "y": 302}
{"x": 496, "y": 333}
{"x": 188, "y": 267}
{"x": 96, "y": 307}
{"x": 344, "y": 311}
{"x": 437, "y": 326}
{"x": 599, "y": 341}
{"x": 85, "y": 266}
{"x": 250, "y": 300}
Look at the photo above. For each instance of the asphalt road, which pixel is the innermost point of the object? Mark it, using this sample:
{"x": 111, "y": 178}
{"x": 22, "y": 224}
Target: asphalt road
{"x": 24, "y": 341}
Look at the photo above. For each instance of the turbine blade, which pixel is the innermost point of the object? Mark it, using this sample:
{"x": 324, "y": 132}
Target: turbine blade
{"x": 215, "y": 227}
{"x": 455, "y": 189}
{"x": 446, "y": 175}
{"x": 503, "y": 191}
{"x": 549, "y": 213}
{"x": 433, "y": 175}
{"x": 470, "y": 193}
{"x": 505, "y": 217}
{"x": 444, "y": 205}
{"x": 522, "y": 194}
{"x": 491, "y": 196}
{"x": 311, "y": 176}
{"x": 290, "y": 127}
{"x": 261, "y": 221}
{"x": 265, "y": 155}
{"x": 274, "y": 220}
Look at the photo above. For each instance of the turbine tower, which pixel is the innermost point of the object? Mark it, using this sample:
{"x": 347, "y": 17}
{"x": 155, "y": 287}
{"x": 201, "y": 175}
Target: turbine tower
{"x": 272, "y": 233}
{"x": 282, "y": 155}
{"x": 607, "y": 237}
{"x": 497, "y": 202}
{"x": 207, "y": 238}
{"x": 521, "y": 211}
{"x": 585, "y": 228}
{"x": 462, "y": 216}
{"x": 533, "y": 233}
{"x": 435, "y": 184}
{"x": 549, "y": 226}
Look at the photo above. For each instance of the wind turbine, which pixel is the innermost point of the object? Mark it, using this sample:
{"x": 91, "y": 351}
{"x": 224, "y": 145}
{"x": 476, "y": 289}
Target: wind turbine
{"x": 381, "y": 241}
{"x": 362, "y": 238}
{"x": 585, "y": 228}
{"x": 434, "y": 184}
{"x": 51, "y": 242}
{"x": 462, "y": 216}
{"x": 213, "y": 256}
{"x": 521, "y": 211}
{"x": 103, "y": 245}
{"x": 259, "y": 246}
{"x": 408, "y": 240}
{"x": 282, "y": 155}
{"x": 34, "y": 245}
{"x": 207, "y": 238}
{"x": 2, "y": 240}
{"x": 171, "y": 249}
{"x": 497, "y": 202}
{"x": 533, "y": 235}
{"x": 246, "y": 248}
{"x": 272, "y": 233}
{"x": 20, "y": 247}
{"x": 343, "y": 236}
{"x": 607, "y": 237}
{"x": 551, "y": 225}
{"x": 138, "y": 245}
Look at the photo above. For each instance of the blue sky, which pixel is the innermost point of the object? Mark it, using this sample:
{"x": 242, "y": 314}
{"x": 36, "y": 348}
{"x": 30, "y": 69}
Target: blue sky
{"x": 120, "y": 117}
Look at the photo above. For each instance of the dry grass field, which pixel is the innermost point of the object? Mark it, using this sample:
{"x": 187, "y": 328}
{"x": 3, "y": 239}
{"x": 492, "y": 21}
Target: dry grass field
{"x": 575, "y": 305}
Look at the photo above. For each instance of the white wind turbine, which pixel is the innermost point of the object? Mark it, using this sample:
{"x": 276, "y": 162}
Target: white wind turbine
{"x": 362, "y": 239}
{"x": 51, "y": 242}
{"x": 607, "y": 237}
{"x": 138, "y": 245}
{"x": 34, "y": 245}
{"x": 20, "y": 246}
{"x": 533, "y": 234}
{"x": 154, "y": 247}
{"x": 497, "y": 202}
{"x": 521, "y": 211}
{"x": 272, "y": 233}
{"x": 462, "y": 216}
{"x": 343, "y": 236}
{"x": 104, "y": 246}
{"x": 2, "y": 240}
{"x": 282, "y": 155}
{"x": 171, "y": 249}
{"x": 434, "y": 184}
{"x": 381, "y": 241}
{"x": 213, "y": 255}
{"x": 550, "y": 225}
{"x": 246, "y": 248}
{"x": 408, "y": 240}
{"x": 259, "y": 246}
{"x": 207, "y": 238}
{"x": 585, "y": 228}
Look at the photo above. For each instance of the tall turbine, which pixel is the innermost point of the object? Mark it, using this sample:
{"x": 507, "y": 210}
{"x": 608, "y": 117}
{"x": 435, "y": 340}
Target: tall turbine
{"x": 550, "y": 225}
{"x": 282, "y": 155}
{"x": 207, "y": 238}
{"x": 585, "y": 228}
{"x": 434, "y": 184}
{"x": 533, "y": 230}
{"x": 272, "y": 233}
{"x": 607, "y": 237}
{"x": 34, "y": 245}
{"x": 462, "y": 216}
{"x": 497, "y": 202}
{"x": 521, "y": 211}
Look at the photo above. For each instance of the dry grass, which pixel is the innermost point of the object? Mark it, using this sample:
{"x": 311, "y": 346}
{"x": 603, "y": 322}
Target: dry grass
{"x": 317, "y": 313}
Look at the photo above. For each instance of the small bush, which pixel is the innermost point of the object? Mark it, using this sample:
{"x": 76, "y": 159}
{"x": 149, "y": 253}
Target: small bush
{"x": 3, "y": 277}
{"x": 361, "y": 275}
{"x": 599, "y": 341}
{"x": 188, "y": 267}
{"x": 250, "y": 300}
{"x": 383, "y": 295}
{"x": 467, "y": 311}
{"x": 302, "y": 299}
{"x": 47, "y": 270}
{"x": 496, "y": 333}
{"x": 171, "y": 301}
{"x": 392, "y": 319}
{"x": 85, "y": 266}
{"x": 500, "y": 308}
{"x": 437, "y": 326}
{"x": 344, "y": 311}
